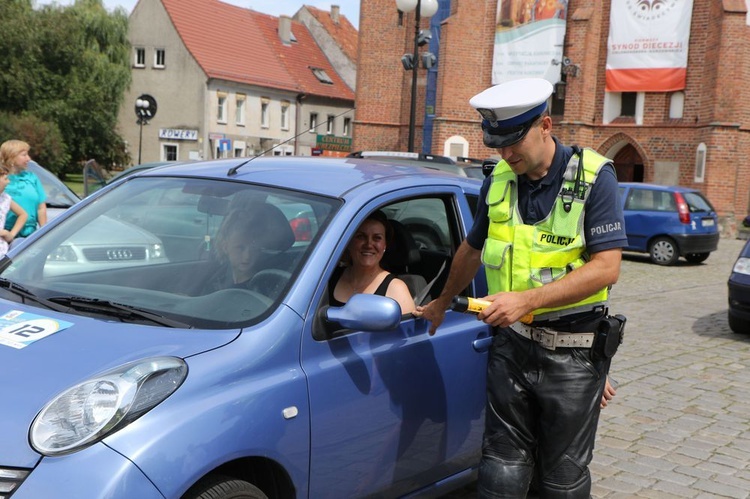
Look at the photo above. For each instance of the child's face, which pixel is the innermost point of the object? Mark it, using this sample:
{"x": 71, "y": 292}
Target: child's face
{"x": 4, "y": 181}
{"x": 242, "y": 252}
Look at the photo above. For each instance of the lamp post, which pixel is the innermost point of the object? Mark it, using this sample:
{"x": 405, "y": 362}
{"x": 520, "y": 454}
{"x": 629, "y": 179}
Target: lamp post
{"x": 426, "y": 8}
{"x": 145, "y": 109}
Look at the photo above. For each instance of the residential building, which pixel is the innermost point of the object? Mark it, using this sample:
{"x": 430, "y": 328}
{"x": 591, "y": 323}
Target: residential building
{"x": 230, "y": 82}
{"x": 698, "y": 136}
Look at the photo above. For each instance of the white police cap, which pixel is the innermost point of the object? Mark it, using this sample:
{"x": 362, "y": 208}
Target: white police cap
{"x": 510, "y": 108}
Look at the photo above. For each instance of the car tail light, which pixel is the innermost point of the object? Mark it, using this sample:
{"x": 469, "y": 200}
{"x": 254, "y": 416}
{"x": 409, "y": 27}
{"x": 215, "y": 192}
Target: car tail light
{"x": 682, "y": 208}
{"x": 301, "y": 228}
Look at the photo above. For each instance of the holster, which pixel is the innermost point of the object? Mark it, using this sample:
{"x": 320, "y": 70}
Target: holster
{"x": 609, "y": 335}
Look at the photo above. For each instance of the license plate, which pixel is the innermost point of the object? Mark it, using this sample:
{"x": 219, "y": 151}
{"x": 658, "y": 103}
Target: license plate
{"x": 708, "y": 222}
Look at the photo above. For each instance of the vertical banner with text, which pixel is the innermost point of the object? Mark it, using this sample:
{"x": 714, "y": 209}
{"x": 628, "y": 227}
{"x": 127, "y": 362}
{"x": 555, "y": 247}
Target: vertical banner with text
{"x": 529, "y": 39}
{"x": 647, "y": 49}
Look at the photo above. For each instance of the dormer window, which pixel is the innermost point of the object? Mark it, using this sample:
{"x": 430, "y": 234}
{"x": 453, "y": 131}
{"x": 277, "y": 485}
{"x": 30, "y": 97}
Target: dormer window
{"x": 322, "y": 76}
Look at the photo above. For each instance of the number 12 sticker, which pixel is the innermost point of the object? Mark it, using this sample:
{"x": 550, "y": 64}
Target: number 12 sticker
{"x": 21, "y": 329}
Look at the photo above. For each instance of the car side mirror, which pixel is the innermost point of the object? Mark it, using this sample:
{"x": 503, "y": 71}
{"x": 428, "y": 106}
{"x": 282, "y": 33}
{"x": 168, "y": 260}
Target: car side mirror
{"x": 365, "y": 312}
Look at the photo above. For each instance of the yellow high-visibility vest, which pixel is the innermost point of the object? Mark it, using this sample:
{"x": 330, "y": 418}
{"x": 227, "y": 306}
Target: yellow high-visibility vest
{"x": 518, "y": 256}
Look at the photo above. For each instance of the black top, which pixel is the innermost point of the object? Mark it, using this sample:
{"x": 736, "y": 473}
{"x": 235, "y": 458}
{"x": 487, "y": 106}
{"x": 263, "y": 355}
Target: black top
{"x": 382, "y": 289}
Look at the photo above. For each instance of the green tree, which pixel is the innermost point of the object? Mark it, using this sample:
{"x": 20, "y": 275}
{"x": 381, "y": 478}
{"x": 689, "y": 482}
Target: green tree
{"x": 67, "y": 66}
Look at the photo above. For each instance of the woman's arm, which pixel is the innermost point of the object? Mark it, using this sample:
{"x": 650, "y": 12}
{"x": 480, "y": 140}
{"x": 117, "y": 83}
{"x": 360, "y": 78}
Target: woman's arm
{"x": 399, "y": 291}
{"x": 41, "y": 213}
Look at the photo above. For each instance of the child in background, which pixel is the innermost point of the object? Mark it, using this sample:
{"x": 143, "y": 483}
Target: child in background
{"x": 7, "y": 204}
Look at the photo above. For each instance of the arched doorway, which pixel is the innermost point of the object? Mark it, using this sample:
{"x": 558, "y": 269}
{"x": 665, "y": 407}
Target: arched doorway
{"x": 628, "y": 164}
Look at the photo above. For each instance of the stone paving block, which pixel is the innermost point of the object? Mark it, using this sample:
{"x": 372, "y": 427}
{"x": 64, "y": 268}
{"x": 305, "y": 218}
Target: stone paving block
{"x": 716, "y": 468}
{"x": 673, "y": 489}
{"x": 720, "y": 489}
{"x": 675, "y": 477}
{"x": 696, "y": 472}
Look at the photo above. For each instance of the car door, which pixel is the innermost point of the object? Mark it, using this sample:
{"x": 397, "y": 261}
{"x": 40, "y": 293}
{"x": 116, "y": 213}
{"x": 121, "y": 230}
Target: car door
{"x": 394, "y": 411}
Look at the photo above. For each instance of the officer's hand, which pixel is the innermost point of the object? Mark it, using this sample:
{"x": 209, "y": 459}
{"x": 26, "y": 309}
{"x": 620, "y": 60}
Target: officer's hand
{"x": 608, "y": 394}
{"x": 505, "y": 309}
{"x": 433, "y": 312}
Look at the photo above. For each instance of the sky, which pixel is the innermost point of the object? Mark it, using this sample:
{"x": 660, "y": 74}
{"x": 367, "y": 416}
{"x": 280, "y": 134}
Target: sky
{"x": 349, "y": 8}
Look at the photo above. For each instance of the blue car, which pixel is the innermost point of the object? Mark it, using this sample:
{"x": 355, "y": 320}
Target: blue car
{"x": 668, "y": 222}
{"x": 149, "y": 380}
{"x": 739, "y": 292}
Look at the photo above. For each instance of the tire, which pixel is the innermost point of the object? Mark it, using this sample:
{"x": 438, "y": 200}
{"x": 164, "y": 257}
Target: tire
{"x": 738, "y": 325}
{"x": 223, "y": 487}
{"x": 663, "y": 251}
{"x": 696, "y": 257}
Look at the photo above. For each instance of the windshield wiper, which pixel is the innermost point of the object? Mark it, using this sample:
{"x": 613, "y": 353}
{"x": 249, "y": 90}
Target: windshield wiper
{"x": 24, "y": 293}
{"x": 119, "y": 310}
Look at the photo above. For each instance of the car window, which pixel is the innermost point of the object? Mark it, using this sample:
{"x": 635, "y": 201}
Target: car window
{"x": 425, "y": 234}
{"x": 179, "y": 248}
{"x": 426, "y": 220}
{"x": 650, "y": 200}
{"x": 697, "y": 202}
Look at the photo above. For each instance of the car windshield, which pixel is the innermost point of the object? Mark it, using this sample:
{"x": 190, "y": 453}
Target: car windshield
{"x": 58, "y": 194}
{"x": 203, "y": 253}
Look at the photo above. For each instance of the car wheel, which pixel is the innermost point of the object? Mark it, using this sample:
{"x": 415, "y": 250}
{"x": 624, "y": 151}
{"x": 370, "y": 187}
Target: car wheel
{"x": 738, "y": 325}
{"x": 696, "y": 257}
{"x": 663, "y": 251}
{"x": 222, "y": 487}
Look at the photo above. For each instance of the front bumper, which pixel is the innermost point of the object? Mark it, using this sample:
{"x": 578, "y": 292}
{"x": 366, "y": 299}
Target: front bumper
{"x": 739, "y": 300}
{"x": 95, "y": 472}
{"x": 696, "y": 243}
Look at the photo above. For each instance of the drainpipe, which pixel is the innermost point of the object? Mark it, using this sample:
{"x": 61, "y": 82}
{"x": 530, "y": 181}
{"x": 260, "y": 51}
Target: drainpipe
{"x": 298, "y": 131}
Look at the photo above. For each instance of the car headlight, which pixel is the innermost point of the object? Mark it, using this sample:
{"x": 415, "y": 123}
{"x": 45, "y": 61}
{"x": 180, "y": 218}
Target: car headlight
{"x": 156, "y": 251}
{"x": 64, "y": 253}
{"x": 87, "y": 412}
{"x": 742, "y": 266}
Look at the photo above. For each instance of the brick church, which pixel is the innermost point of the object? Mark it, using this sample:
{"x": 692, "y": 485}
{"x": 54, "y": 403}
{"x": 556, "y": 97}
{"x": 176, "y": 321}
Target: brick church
{"x": 697, "y": 136}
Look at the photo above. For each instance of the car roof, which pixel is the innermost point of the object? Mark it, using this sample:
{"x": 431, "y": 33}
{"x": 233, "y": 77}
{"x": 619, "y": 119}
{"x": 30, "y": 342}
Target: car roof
{"x": 335, "y": 177}
{"x": 658, "y": 187}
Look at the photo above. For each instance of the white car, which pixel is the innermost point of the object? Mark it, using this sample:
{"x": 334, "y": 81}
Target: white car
{"x": 105, "y": 243}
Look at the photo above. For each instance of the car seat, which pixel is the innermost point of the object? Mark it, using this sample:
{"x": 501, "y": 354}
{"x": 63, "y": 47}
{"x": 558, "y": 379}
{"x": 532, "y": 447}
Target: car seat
{"x": 401, "y": 256}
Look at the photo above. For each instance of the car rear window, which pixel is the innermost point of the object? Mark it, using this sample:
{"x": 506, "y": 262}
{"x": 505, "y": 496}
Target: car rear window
{"x": 697, "y": 202}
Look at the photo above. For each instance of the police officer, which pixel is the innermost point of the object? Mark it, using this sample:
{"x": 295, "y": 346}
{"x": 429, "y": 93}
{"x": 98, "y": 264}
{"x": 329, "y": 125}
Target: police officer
{"x": 549, "y": 230}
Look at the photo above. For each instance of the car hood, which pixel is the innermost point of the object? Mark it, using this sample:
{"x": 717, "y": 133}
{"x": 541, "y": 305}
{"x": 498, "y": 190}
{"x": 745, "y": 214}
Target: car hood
{"x": 80, "y": 349}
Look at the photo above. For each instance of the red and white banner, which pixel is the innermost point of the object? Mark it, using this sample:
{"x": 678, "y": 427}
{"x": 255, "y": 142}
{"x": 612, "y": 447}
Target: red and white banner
{"x": 647, "y": 49}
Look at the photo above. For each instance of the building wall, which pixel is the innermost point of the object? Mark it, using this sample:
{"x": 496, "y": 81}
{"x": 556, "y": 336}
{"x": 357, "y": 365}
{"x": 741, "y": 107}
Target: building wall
{"x": 715, "y": 112}
{"x": 178, "y": 106}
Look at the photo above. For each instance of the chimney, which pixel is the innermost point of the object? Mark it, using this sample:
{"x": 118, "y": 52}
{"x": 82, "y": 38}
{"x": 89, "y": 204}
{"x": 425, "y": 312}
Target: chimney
{"x": 285, "y": 29}
{"x": 335, "y": 13}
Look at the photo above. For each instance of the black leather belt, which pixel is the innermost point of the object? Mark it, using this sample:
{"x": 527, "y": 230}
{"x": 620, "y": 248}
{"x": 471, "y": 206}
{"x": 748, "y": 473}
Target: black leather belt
{"x": 585, "y": 325}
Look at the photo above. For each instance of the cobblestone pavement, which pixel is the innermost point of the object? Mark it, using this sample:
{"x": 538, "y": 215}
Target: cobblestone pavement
{"x": 679, "y": 426}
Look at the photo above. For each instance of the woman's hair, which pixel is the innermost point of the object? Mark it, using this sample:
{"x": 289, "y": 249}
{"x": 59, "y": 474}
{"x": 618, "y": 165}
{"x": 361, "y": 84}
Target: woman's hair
{"x": 381, "y": 217}
{"x": 9, "y": 151}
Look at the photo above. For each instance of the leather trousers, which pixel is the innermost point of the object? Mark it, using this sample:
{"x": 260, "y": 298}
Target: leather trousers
{"x": 541, "y": 419}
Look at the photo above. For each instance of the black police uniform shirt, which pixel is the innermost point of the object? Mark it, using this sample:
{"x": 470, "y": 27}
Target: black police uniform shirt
{"x": 604, "y": 225}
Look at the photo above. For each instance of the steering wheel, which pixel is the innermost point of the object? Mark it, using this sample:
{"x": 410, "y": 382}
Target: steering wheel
{"x": 269, "y": 282}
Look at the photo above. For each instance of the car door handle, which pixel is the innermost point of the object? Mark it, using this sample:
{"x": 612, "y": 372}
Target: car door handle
{"x": 482, "y": 344}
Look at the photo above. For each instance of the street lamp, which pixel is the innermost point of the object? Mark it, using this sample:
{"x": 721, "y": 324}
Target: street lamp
{"x": 145, "y": 109}
{"x": 426, "y": 8}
